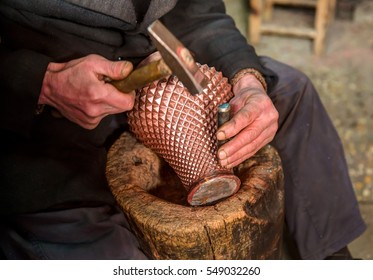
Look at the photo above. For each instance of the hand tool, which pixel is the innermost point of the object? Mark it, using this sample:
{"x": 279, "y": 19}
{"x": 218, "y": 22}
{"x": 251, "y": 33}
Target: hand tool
{"x": 224, "y": 115}
{"x": 138, "y": 78}
{"x": 175, "y": 56}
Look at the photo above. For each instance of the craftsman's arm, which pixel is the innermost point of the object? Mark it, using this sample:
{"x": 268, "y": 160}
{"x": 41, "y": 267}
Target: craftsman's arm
{"x": 205, "y": 28}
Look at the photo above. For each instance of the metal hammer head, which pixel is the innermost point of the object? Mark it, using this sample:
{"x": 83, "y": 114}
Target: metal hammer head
{"x": 178, "y": 58}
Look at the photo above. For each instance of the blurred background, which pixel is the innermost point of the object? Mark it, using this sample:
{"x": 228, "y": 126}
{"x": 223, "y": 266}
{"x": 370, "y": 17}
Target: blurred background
{"x": 342, "y": 72}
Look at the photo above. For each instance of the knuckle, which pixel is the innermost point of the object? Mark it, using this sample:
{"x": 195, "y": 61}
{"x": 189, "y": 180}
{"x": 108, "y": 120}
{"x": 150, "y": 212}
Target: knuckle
{"x": 267, "y": 104}
{"x": 254, "y": 146}
{"x": 93, "y": 122}
{"x": 249, "y": 139}
{"x": 272, "y": 132}
{"x": 92, "y": 112}
{"x": 130, "y": 103}
{"x": 86, "y": 124}
{"x": 274, "y": 116}
{"x": 127, "y": 102}
{"x": 94, "y": 94}
{"x": 252, "y": 134}
{"x": 91, "y": 126}
{"x": 116, "y": 67}
{"x": 90, "y": 59}
{"x": 242, "y": 142}
{"x": 274, "y": 111}
{"x": 246, "y": 116}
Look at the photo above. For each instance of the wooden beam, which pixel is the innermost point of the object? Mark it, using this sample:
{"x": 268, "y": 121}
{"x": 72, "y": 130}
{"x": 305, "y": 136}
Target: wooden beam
{"x": 293, "y": 31}
{"x": 298, "y": 3}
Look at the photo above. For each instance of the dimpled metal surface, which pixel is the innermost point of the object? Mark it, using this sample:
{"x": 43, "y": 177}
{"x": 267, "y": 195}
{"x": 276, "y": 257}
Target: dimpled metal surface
{"x": 182, "y": 127}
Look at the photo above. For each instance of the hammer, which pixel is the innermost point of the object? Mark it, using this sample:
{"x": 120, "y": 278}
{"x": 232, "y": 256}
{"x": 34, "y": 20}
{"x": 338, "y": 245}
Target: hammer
{"x": 176, "y": 59}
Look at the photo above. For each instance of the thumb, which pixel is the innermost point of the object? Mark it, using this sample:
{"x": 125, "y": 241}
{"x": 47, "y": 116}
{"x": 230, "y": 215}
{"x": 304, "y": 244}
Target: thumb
{"x": 117, "y": 70}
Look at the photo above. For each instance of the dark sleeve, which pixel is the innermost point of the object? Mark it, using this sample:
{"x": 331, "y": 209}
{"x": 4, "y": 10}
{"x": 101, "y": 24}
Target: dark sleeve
{"x": 205, "y": 28}
{"x": 22, "y": 74}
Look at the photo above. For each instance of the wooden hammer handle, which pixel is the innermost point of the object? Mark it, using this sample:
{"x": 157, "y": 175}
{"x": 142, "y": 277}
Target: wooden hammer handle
{"x": 140, "y": 77}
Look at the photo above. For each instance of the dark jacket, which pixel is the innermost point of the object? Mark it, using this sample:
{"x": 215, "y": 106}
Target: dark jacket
{"x": 49, "y": 162}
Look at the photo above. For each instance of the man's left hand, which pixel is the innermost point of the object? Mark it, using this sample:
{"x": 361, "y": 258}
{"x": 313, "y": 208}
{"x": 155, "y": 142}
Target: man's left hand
{"x": 253, "y": 125}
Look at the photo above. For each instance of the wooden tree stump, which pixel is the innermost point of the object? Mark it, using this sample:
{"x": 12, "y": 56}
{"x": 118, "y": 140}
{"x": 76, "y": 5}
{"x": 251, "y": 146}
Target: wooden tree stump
{"x": 247, "y": 225}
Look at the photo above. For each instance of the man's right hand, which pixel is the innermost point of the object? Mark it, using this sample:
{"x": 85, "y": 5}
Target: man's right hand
{"x": 77, "y": 89}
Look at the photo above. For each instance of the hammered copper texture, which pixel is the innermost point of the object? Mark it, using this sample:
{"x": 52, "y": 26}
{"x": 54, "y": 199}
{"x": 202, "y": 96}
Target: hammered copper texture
{"x": 182, "y": 127}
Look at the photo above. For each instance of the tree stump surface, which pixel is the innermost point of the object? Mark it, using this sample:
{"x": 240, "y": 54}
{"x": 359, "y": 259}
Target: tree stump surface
{"x": 247, "y": 225}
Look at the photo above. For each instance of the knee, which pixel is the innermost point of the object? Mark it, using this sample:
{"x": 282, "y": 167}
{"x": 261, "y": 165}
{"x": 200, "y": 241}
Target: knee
{"x": 294, "y": 80}
{"x": 299, "y": 80}
{"x": 289, "y": 78}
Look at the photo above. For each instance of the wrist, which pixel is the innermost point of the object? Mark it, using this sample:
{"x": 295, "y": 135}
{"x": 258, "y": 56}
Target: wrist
{"x": 45, "y": 90}
{"x": 48, "y": 82}
{"x": 248, "y": 75}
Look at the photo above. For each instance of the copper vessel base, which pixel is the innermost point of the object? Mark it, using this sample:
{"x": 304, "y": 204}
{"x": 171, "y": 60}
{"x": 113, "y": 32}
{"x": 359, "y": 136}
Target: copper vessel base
{"x": 213, "y": 188}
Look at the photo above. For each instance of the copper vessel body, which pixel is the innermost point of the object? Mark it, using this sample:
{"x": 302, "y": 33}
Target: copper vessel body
{"x": 181, "y": 128}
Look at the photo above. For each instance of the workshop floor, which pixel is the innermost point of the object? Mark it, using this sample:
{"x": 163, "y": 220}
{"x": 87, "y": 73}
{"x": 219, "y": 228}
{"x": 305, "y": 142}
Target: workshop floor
{"x": 343, "y": 77}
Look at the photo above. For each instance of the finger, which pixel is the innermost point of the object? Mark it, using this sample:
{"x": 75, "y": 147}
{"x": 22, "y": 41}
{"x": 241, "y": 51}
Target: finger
{"x": 247, "y": 142}
{"x": 88, "y": 117}
{"x": 115, "y": 70}
{"x": 104, "y": 99}
{"x": 82, "y": 119}
{"x": 119, "y": 101}
{"x": 234, "y": 148}
{"x": 245, "y": 153}
{"x": 243, "y": 118}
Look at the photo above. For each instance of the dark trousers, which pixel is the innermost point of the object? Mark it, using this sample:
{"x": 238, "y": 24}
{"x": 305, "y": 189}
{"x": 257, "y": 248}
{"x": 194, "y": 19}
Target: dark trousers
{"x": 322, "y": 214}
{"x": 83, "y": 233}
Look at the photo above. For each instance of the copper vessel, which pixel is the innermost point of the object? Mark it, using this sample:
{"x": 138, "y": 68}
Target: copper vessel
{"x": 181, "y": 128}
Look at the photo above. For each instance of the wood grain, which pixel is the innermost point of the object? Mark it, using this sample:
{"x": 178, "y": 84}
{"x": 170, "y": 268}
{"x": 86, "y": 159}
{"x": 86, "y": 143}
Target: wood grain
{"x": 247, "y": 225}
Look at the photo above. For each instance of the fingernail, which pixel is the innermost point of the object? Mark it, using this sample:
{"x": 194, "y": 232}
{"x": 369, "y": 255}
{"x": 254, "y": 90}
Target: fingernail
{"x": 222, "y": 155}
{"x": 220, "y": 135}
{"x": 126, "y": 64}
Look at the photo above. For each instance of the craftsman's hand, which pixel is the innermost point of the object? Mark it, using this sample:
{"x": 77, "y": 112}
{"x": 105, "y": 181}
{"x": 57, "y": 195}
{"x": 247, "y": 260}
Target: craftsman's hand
{"x": 253, "y": 125}
{"x": 77, "y": 89}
